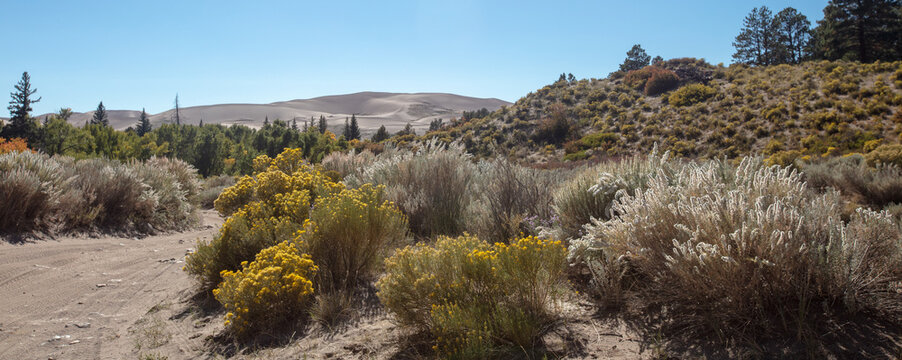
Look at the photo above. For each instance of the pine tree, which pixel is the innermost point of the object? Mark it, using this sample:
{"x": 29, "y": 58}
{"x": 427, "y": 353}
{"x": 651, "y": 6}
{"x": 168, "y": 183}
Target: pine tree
{"x": 862, "y": 30}
{"x": 64, "y": 113}
{"x": 347, "y": 130}
{"x": 793, "y": 34}
{"x": 757, "y": 42}
{"x": 322, "y": 124}
{"x": 143, "y": 126}
{"x": 294, "y": 124}
{"x": 266, "y": 121}
{"x": 636, "y": 59}
{"x": 354, "y": 129}
{"x": 21, "y": 125}
{"x": 100, "y": 116}
{"x": 380, "y": 134}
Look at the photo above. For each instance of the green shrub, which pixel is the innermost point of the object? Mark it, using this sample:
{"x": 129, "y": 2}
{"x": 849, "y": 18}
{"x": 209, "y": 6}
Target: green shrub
{"x": 690, "y": 95}
{"x": 477, "y": 300}
{"x": 350, "y": 233}
{"x": 653, "y": 80}
{"x": 886, "y": 154}
{"x": 269, "y": 293}
{"x": 211, "y": 189}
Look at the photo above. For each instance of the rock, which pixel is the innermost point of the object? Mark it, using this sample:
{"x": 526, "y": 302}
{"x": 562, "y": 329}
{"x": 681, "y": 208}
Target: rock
{"x": 101, "y": 285}
{"x": 83, "y": 325}
{"x": 73, "y": 342}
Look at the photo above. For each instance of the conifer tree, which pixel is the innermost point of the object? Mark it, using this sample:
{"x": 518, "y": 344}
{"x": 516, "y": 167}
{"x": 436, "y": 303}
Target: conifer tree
{"x": 347, "y": 130}
{"x": 100, "y": 116}
{"x": 636, "y": 59}
{"x": 143, "y": 126}
{"x": 757, "y": 42}
{"x": 21, "y": 125}
{"x": 380, "y": 134}
{"x": 793, "y": 34}
{"x": 860, "y": 30}
{"x": 322, "y": 124}
{"x": 354, "y": 129}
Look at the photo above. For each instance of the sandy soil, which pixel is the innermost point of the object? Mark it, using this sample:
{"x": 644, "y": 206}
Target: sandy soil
{"x": 77, "y": 298}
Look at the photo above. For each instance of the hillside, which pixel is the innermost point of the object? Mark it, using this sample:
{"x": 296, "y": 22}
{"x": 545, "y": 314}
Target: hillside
{"x": 814, "y": 108}
{"x": 372, "y": 109}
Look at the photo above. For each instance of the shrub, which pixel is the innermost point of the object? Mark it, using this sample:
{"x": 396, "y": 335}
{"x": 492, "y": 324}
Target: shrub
{"x": 475, "y": 298}
{"x": 270, "y": 292}
{"x": 29, "y": 187}
{"x": 184, "y": 173}
{"x": 690, "y": 95}
{"x": 350, "y": 234}
{"x": 255, "y": 227}
{"x": 510, "y": 200}
{"x": 13, "y": 145}
{"x": 886, "y": 154}
{"x": 746, "y": 251}
{"x": 864, "y": 185}
{"x": 591, "y": 194}
{"x": 432, "y": 186}
{"x": 211, "y": 189}
{"x": 653, "y": 80}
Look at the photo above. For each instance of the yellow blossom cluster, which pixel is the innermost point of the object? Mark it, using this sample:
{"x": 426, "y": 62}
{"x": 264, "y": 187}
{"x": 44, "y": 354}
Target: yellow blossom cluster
{"x": 470, "y": 294}
{"x": 274, "y": 287}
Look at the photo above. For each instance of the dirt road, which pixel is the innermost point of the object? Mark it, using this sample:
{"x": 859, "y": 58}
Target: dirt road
{"x": 76, "y": 298}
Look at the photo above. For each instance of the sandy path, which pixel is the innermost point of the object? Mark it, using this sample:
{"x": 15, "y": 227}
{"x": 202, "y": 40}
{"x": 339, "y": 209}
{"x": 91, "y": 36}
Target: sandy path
{"x": 75, "y": 298}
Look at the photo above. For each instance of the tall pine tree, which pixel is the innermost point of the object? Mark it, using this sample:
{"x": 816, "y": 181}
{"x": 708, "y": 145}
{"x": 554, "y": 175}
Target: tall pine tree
{"x": 861, "y": 30}
{"x": 380, "y": 134}
{"x": 322, "y": 124}
{"x": 100, "y": 116}
{"x": 793, "y": 35}
{"x": 143, "y": 126}
{"x": 21, "y": 125}
{"x": 757, "y": 42}
{"x": 354, "y": 129}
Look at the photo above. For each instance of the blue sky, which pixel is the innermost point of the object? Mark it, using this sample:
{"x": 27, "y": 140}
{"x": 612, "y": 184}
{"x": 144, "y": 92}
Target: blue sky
{"x": 132, "y": 54}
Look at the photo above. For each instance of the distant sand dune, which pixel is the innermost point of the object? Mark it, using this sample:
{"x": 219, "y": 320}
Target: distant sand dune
{"x": 372, "y": 109}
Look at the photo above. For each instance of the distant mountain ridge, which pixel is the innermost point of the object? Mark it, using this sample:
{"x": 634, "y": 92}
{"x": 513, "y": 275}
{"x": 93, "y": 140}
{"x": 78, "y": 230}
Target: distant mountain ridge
{"x": 372, "y": 109}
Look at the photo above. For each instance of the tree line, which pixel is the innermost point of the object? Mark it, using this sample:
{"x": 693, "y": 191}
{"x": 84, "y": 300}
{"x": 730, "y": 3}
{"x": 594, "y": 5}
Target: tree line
{"x": 855, "y": 30}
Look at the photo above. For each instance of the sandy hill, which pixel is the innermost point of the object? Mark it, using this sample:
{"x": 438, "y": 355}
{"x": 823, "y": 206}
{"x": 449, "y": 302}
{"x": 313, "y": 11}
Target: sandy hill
{"x": 372, "y": 109}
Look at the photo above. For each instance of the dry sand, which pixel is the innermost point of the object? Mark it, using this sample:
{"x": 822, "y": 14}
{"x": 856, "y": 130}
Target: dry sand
{"x": 373, "y": 109}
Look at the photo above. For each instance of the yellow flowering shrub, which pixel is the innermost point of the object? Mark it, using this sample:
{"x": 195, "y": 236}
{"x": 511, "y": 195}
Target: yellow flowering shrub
{"x": 350, "y": 234}
{"x": 286, "y": 173}
{"x": 473, "y": 297}
{"x": 269, "y": 292}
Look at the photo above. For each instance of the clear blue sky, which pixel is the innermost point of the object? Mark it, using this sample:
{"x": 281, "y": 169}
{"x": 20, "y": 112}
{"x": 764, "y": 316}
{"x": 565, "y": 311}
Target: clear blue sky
{"x": 132, "y": 54}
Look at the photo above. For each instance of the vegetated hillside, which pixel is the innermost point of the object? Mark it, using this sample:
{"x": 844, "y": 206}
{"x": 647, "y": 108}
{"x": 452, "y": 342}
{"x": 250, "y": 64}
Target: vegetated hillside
{"x": 372, "y": 109}
{"x": 695, "y": 109}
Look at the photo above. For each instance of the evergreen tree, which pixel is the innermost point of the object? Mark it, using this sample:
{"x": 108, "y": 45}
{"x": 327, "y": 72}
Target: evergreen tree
{"x": 100, "y": 116}
{"x": 757, "y": 42}
{"x": 862, "y": 30}
{"x": 435, "y": 125}
{"x": 658, "y": 60}
{"x": 347, "y": 130}
{"x": 294, "y": 124}
{"x": 380, "y": 134}
{"x": 408, "y": 130}
{"x": 793, "y": 34}
{"x": 322, "y": 124}
{"x": 143, "y": 126}
{"x": 636, "y": 59}
{"x": 21, "y": 125}
{"x": 354, "y": 129}
{"x": 64, "y": 113}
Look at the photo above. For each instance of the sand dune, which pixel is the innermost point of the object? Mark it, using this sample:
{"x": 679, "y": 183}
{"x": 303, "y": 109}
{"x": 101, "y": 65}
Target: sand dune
{"x": 372, "y": 109}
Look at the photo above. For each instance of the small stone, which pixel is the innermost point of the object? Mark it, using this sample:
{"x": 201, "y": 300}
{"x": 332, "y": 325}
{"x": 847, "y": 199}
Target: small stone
{"x": 83, "y": 325}
{"x": 101, "y": 285}
{"x": 73, "y": 342}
